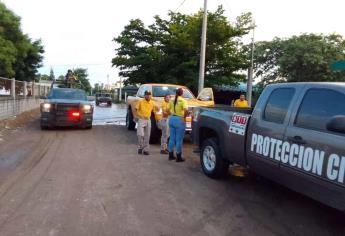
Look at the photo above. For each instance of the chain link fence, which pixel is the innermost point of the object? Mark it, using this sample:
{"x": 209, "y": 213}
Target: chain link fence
{"x": 19, "y": 96}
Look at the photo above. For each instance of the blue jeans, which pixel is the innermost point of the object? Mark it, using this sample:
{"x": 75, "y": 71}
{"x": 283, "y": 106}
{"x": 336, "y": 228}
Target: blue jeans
{"x": 177, "y": 128}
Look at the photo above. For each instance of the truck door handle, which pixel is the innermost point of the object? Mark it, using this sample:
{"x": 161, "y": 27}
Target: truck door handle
{"x": 297, "y": 139}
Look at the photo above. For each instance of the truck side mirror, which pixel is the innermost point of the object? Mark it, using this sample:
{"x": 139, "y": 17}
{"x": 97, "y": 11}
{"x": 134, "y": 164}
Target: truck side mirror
{"x": 205, "y": 98}
{"x": 336, "y": 124}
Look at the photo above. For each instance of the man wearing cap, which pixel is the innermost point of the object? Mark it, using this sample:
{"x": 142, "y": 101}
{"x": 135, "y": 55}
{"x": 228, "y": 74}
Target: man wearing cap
{"x": 144, "y": 109}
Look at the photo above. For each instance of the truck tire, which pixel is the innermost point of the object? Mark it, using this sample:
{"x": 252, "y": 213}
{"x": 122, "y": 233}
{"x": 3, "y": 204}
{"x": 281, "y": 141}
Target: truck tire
{"x": 109, "y": 104}
{"x": 97, "y": 103}
{"x": 212, "y": 163}
{"x": 155, "y": 132}
{"x": 130, "y": 124}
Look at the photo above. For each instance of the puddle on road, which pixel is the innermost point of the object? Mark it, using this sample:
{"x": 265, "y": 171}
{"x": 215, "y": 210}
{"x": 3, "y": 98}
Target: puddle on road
{"x": 114, "y": 115}
{"x": 112, "y": 122}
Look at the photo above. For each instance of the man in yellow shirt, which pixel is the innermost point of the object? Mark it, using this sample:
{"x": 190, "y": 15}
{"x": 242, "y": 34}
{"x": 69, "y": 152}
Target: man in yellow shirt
{"x": 242, "y": 102}
{"x": 144, "y": 109}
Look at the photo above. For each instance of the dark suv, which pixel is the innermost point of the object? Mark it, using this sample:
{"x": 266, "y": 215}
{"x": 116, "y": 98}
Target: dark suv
{"x": 103, "y": 98}
{"x": 66, "y": 107}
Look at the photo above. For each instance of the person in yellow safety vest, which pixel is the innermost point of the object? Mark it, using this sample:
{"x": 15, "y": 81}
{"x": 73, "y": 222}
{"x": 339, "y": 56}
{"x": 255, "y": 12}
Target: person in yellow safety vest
{"x": 164, "y": 125}
{"x": 144, "y": 109}
{"x": 241, "y": 102}
{"x": 179, "y": 110}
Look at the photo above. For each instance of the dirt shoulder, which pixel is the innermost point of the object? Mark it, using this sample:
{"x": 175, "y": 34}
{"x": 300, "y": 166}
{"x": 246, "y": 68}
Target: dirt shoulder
{"x": 19, "y": 121}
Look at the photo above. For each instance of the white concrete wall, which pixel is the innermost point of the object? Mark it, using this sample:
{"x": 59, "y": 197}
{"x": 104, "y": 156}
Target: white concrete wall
{"x": 10, "y": 107}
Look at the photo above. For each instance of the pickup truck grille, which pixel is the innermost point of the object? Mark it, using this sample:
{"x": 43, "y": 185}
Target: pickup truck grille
{"x": 67, "y": 107}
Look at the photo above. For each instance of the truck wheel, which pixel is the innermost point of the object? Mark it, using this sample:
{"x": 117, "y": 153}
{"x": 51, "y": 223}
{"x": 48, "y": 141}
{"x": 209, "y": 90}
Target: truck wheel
{"x": 97, "y": 103}
{"x": 109, "y": 104}
{"x": 130, "y": 124}
{"x": 155, "y": 132}
{"x": 212, "y": 163}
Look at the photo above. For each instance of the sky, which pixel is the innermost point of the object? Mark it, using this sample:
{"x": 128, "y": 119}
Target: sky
{"x": 79, "y": 33}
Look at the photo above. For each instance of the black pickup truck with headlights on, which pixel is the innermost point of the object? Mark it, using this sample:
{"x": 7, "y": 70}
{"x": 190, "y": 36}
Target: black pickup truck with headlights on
{"x": 66, "y": 107}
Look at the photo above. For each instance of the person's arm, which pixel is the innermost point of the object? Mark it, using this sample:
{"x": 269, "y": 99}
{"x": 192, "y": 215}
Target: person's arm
{"x": 156, "y": 108}
{"x": 235, "y": 103}
{"x": 137, "y": 108}
{"x": 166, "y": 112}
{"x": 169, "y": 108}
{"x": 185, "y": 108}
{"x": 186, "y": 113}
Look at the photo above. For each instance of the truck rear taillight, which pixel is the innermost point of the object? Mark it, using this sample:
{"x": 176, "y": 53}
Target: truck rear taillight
{"x": 188, "y": 119}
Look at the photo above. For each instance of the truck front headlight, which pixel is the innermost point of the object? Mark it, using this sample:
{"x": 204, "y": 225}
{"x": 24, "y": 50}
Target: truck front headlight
{"x": 45, "y": 107}
{"x": 87, "y": 108}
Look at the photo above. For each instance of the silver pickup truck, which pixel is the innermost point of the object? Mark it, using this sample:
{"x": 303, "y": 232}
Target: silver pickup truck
{"x": 294, "y": 136}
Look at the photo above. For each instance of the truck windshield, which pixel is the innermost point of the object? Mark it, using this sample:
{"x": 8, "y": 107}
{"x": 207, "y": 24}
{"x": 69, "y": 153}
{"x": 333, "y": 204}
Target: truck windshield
{"x": 107, "y": 95}
{"x": 161, "y": 91}
{"x": 67, "y": 94}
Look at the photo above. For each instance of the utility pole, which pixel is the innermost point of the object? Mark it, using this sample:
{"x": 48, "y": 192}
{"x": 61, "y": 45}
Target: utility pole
{"x": 203, "y": 49}
{"x": 250, "y": 71}
{"x": 120, "y": 94}
{"x": 108, "y": 85}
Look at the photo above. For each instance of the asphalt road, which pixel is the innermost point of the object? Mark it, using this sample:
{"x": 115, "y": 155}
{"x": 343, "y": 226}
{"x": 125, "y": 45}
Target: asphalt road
{"x": 93, "y": 182}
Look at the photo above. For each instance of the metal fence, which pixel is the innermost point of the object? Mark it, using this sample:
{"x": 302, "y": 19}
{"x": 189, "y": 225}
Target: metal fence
{"x": 19, "y": 96}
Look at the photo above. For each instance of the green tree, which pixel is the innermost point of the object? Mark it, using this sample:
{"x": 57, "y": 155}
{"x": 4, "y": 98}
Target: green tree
{"x": 51, "y": 75}
{"x": 44, "y": 77}
{"x": 299, "y": 59}
{"x": 82, "y": 75}
{"x": 97, "y": 88}
{"x": 168, "y": 50}
{"x": 20, "y": 56}
{"x": 7, "y": 58}
{"x": 61, "y": 78}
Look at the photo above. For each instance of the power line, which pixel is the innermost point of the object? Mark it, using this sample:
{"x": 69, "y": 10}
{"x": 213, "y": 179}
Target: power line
{"x": 180, "y": 5}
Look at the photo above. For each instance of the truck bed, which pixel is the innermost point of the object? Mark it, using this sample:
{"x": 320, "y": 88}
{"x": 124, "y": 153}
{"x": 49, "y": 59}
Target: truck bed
{"x": 231, "y": 109}
{"x": 216, "y": 122}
